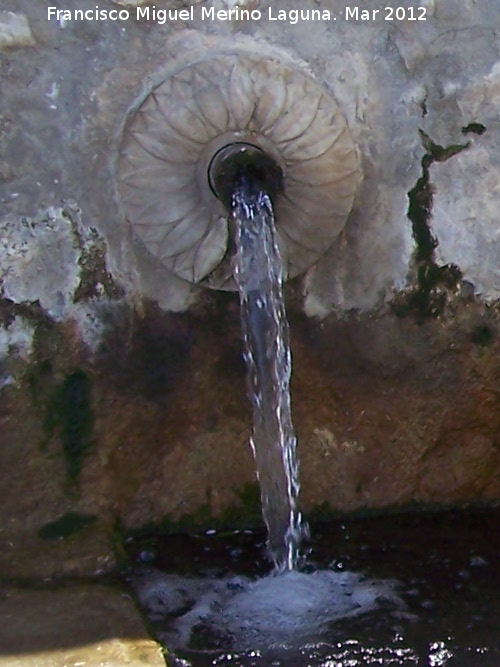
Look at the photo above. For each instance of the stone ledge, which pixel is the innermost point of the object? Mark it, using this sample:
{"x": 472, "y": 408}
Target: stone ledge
{"x": 91, "y": 625}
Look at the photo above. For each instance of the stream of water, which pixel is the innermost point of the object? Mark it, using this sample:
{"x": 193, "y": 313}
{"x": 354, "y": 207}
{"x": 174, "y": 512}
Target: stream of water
{"x": 259, "y": 277}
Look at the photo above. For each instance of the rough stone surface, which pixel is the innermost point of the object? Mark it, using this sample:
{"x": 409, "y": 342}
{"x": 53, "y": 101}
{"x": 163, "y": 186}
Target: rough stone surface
{"x": 51, "y": 268}
{"x": 16, "y": 343}
{"x": 39, "y": 262}
{"x": 130, "y": 3}
{"x": 391, "y": 78}
{"x": 88, "y": 625}
{"x": 388, "y": 412}
{"x": 467, "y": 227}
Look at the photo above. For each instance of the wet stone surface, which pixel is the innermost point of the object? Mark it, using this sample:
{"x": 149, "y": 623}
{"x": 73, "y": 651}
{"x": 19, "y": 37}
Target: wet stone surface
{"x": 80, "y": 624}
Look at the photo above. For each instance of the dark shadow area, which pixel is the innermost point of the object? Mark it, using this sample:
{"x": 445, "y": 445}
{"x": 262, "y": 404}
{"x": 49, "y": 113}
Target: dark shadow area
{"x": 146, "y": 353}
{"x": 73, "y": 615}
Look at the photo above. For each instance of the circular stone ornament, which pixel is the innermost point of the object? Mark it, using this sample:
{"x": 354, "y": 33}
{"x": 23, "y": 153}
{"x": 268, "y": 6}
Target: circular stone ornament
{"x": 169, "y": 141}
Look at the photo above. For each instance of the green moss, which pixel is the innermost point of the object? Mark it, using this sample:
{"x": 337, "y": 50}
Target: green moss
{"x": 482, "y": 335}
{"x": 95, "y": 279}
{"x": 429, "y": 295}
{"x": 419, "y": 209}
{"x": 438, "y": 153}
{"x": 187, "y": 523}
{"x": 70, "y": 414}
{"x": 245, "y": 513}
{"x": 36, "y": 378}
{"x": 321, "y": 512}
{"x": 248, "y": 511}
{"x": 68, "y": 524}
{"x": 474, "y": 128}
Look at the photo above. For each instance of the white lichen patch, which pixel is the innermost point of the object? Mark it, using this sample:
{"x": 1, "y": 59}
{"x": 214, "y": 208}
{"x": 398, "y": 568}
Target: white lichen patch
{"x": 59, "y": 264}
{"x": 17, "y": 338}
{"x": 39, "y": 261}
{"x": 89, "y": 323}
{"x": 15, "y": 30}
{"x": 16, "y": 342}
{"x": 465, "y": 216}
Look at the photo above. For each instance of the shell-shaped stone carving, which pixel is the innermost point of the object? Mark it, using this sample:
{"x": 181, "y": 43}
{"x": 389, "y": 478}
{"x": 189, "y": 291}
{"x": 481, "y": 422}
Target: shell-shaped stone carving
{"x": 169, "y": 141}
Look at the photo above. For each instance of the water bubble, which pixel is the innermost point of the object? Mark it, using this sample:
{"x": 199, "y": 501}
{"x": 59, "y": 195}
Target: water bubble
{"x": 439, "y": 654}
{"x": 147, "y": 556}
{"x": 235, "y": 553}
{"x": 427, "y": 604}
{"x": 478, "y": 561}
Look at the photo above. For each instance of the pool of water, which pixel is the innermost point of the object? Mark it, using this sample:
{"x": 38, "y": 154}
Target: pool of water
{"x": 406, "y": 589}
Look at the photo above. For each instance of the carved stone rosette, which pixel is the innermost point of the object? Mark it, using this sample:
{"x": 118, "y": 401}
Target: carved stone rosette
{"x": 169, "y": 140}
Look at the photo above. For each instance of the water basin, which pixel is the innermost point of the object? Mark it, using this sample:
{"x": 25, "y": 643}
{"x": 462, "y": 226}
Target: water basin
{"x": 407, "y": 589}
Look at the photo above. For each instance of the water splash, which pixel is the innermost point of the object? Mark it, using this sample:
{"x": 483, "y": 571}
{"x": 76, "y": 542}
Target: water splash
{"x": 259, "y": 277}
{"x": 285, "y": 611}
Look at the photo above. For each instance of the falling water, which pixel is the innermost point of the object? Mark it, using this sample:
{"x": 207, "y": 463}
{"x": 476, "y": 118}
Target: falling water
{"x": 259, "y": 276}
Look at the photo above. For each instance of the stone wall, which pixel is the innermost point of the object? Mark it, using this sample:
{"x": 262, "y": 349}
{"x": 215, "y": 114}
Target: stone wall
{"x": 110, "y": 361}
